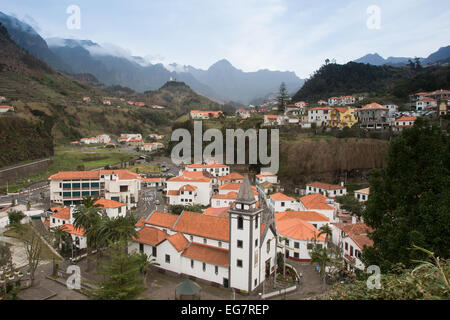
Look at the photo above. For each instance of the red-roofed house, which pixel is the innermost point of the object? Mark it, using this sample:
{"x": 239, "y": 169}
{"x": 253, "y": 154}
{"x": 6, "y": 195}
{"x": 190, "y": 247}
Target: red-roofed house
{"x": 319, "y": 203}
{"x": 112, "y": 208}
{"x": 328, "y": 190}
{"x": 199, "y": 192}
{"x": 404, "y": 122}
{"x": 280, "y": 202}
{"x": 214, "y": 168}
{"x": 320, "y": 116}
{"x": 352, "y": 239}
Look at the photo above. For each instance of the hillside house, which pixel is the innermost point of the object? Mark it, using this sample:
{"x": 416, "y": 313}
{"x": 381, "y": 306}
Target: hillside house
{"x": 213, "y": 168}
{"x": 320, "y": 116}
{"x": 426, "y": 103}
{"x": 352, "y": 239}
{"x": 373, "y": 116}
{"x": 205, "y": 115}
{"x": 112, "y": 208}
{"x": 153, "y": 182}
{"x": 4, "y": 109}
{"x": 86, "y": 99}
{"x": 321, "y": 204}
{"x": 300, "y": 228}
{"x": 280, "y": 202}
{"x": 404, "y": 122}
{"x": 189, "y": 188}
{"x": 362, "y": 195}
{"x": 341, "y": 117}
{"x": 328, "y": 190}
{"x": 243, "y": 113}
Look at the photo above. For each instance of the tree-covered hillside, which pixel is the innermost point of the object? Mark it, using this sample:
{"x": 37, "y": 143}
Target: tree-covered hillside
{"x": 352, "y": 78}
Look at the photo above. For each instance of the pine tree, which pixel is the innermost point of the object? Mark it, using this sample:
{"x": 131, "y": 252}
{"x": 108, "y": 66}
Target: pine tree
{"x": 121, "y": 273}
{"x": 409, "y": 201}
{"x": 282, "y": 97}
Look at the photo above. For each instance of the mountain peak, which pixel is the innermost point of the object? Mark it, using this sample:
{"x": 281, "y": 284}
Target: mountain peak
{"x": 223, "y": 64}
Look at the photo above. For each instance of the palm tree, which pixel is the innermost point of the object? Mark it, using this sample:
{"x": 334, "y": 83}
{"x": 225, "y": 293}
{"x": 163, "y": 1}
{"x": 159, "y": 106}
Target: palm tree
{"x": 87, "y": 218}
{"x": 144, "y": 264}
{"x": 88, "y": 202}
{"x": 117, "y": 229}
{"x": 320, "y": 256}
{"x": 58, "y": 233}
{"x": 326, "y": 230}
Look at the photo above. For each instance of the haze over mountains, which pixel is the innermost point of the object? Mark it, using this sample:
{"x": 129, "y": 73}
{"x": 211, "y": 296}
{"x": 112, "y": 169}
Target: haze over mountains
{"x": 114, "y": 66}
{"x": 442, "y": 55}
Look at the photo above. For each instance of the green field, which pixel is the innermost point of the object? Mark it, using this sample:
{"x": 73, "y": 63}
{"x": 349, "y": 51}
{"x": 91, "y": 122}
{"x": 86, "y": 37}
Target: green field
{"x": 144, "y": 168}
{"x": 71, "y": 159}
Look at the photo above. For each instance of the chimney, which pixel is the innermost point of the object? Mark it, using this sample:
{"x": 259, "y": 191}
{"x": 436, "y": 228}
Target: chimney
{"x": 354, "y": 219}
{"x": 342, "y": 183}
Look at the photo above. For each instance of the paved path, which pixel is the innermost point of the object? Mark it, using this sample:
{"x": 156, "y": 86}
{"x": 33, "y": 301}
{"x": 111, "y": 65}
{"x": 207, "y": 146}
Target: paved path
{"x": 45, "y": 288}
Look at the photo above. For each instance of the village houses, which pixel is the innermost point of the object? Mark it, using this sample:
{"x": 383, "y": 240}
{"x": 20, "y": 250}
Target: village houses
{"x": 211, "y": 247}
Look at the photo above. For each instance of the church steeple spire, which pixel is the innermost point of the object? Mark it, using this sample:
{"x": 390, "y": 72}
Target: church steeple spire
{"x": 245, "y": 194}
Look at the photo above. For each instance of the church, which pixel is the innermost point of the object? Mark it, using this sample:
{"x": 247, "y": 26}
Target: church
{"x": 236, "y": 251}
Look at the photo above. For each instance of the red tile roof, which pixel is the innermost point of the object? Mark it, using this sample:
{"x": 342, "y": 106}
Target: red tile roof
{"x": 303, "y": 215}
{"x": 315, "y": 201}
{"x": 178, "y": 241}
{"x": 162, "y": 219}
{"x": 218, "y": 212}
{"x": 298, "y": 229}
{"x": 69, "y": 228}
{"x": 203, "y": 225}
{"x": 229, "y": 196}
{"x": 61, "y": 213}
{"x": 106, "y": 203}
{"x": 208, "y": 254}
{"x": 150, "y": 235}
{"x": 326, "y": 186}
{"x": 75, "y": 175}
{"x": 193, "y": 176}
{"x": 281, "y": 197}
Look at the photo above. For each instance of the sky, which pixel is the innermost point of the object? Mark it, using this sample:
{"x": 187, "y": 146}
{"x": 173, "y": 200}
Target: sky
{"x": 286, "y": 35}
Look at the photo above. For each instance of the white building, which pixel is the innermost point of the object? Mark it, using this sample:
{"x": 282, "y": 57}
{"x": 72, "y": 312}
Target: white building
{"x": 62, "y": 217}
{"x": 215, "y": 169}
{"x": 152, "y": 146}
{"x": 425, "y": 103}
{"x": 320, "y": 116}
{"x": 103, "y": 138}
{"x": 328, "y": 190}
{"x": 267, "y": 177}
{"x": 362, "y": 195}
{"x": 352, "y": 239}
{"x": 280, "y": 202}
{"x": 199, "y": 192}
{"x": 321, "y": 204}
{"x": 70, "y": 187}
{"x": 112, "y": 208}
{"x": 238, "y": 251}
{"x": 4, "y": 109}
{"x": 300, "y": 228}
{"x": 404, "y": 122}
